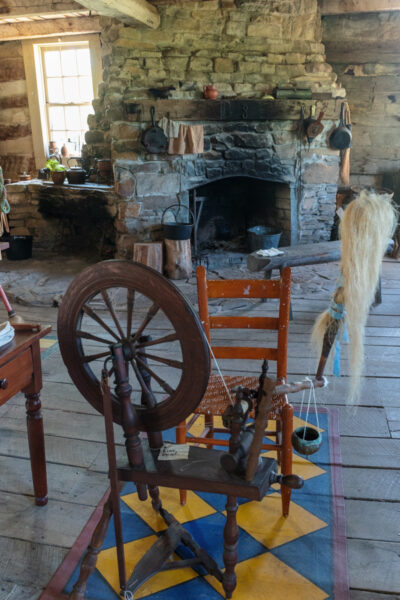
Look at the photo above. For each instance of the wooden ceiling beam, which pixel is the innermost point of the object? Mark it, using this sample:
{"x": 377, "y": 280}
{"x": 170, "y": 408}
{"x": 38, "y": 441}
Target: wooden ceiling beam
{"x": 128, "y": 11}
{"x": 38, "y": 10}
{"x": 340, "y": 7}
{"x": 49, "y": 28}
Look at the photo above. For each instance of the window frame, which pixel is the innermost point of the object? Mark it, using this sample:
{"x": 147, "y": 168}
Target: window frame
{"x": 32, "y": 53}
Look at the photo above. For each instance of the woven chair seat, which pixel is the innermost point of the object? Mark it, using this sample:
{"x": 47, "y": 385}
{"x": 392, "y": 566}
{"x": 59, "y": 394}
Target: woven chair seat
{"x": 215, "y": 399}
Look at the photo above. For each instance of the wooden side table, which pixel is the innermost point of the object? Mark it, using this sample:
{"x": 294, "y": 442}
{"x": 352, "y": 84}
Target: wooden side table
{"x": 21, "y": 371}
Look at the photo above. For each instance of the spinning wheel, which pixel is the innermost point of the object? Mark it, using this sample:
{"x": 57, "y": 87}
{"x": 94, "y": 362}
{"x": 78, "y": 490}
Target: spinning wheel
{"x": 127, "y": 303}
{"x": 123, "y": 319}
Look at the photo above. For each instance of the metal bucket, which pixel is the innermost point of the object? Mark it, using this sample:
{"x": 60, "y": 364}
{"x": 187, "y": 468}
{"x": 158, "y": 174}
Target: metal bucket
{"x": 177, "y": 230}
{"x": 261, "y": 237}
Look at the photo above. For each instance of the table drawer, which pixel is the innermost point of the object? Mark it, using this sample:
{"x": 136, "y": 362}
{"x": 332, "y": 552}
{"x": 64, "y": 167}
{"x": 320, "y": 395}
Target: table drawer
{"x": 18, "y": 373}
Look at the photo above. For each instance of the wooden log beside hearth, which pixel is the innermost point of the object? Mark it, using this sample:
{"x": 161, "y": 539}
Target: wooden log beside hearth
{"x": 179, "y": 259}
{"x": 149, "y": 254}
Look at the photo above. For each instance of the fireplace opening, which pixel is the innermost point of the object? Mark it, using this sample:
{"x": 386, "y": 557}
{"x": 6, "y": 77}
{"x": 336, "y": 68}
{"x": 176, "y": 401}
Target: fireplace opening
{"x": 227, "y": 208}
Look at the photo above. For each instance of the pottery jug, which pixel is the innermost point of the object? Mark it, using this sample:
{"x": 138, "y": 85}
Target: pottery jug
{"x": 210, "y": 92}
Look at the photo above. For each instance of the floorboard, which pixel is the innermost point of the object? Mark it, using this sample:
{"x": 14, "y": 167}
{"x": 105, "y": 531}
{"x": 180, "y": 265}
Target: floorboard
{"x": 374, "y": 566}
{"x": 34, "y": 540}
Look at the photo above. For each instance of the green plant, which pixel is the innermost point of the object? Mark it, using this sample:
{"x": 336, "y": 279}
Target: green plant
{"x": 53, "y": 165}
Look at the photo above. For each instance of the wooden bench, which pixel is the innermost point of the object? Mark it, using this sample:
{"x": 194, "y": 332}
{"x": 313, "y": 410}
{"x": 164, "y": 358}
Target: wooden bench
{"x": 297, "y": 256}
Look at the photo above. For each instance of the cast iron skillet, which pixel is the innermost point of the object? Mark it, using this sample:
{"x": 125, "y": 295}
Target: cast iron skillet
{"x": 340, "y": 138}
{"x": 153, "y": 138}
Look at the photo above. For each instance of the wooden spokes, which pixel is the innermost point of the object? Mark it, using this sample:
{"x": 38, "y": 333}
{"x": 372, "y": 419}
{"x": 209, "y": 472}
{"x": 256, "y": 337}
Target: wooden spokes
{"x": 121, "y": 302}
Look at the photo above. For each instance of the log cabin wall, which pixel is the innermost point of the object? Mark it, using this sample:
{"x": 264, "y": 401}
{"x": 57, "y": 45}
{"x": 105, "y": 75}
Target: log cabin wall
{"x": 16, "y": 149}
{"x": 364, "y": 50}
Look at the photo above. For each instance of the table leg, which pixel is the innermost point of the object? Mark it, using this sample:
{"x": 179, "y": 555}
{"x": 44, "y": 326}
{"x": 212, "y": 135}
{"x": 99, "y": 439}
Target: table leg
{"x": 36, "y": 447}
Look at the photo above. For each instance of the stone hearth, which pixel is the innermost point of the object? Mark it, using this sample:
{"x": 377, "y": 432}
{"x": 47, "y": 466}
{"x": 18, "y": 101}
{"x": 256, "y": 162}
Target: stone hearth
{"x": 270, "y": 151}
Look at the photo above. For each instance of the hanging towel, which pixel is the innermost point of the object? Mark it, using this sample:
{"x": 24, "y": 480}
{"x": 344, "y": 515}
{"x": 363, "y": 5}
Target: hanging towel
{"x": 190, "y": 140}
{"x": 169, "y": 127}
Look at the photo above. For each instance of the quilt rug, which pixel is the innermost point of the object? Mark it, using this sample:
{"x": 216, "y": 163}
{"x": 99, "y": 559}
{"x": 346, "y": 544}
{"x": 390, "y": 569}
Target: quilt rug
{"x": 302, "y": 557}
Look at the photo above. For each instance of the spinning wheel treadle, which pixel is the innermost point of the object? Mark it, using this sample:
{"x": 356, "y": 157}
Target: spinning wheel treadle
{"x": 122, "y": 302}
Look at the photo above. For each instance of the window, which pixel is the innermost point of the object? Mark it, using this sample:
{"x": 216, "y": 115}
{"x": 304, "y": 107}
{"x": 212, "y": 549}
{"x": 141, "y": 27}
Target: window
{"x": 68, "y": 86}
{"x": 62, "y": 79}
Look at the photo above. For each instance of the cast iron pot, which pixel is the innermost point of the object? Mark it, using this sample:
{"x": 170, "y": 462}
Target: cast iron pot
{"x": 177, "y": 230}
{"x": 76, "y": 175}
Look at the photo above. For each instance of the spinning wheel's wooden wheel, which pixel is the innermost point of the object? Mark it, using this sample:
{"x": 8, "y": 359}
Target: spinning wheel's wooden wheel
{"x": 121, "y": 301}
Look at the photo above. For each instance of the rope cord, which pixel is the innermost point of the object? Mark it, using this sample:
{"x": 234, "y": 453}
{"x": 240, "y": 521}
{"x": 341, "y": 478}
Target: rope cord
{"x": 219, "y": 371}
{"x": 311, "y": 396}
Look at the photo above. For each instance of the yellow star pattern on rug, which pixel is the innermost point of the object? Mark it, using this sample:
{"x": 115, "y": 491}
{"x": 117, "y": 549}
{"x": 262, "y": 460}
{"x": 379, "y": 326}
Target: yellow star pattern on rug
{"x": 264, "y": 521}
{"x": 265, "y": 576}
{"x": 195, "y": 508}
{"x": 108, "y": 567}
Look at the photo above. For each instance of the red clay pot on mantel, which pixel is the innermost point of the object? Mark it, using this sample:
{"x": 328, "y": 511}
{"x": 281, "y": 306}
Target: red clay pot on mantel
{"x": 210, "y": 92}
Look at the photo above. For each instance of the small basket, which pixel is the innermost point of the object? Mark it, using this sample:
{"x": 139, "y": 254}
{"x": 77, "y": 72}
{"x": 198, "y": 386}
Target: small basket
{"x": 177, "y": 231}
{"x": 306, "y": 440}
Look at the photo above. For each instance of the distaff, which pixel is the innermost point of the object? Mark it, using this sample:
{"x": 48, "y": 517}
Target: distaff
{"x": 367, "y": 224}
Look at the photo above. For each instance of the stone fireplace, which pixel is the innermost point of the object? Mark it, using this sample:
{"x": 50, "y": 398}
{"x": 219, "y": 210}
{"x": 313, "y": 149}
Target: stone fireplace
{"x": 263, "y": 166}
{"x": 263, "y": 57}
{"x": 248, "y": 49}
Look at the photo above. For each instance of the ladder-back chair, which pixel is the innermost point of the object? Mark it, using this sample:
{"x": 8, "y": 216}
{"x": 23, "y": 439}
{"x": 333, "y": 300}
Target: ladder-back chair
{"x": 216, "y": 399}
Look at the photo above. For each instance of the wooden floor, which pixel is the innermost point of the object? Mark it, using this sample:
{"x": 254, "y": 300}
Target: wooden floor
{"x": 34, "y": 540}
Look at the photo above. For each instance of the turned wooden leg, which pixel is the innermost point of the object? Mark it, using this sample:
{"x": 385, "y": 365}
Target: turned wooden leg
{"x": 209, "y": 422}
{"x": 181, "y": 439}
{"x": 286, "y": 454}
{"x": 90, "y": 558}
{"x": 36, "y": 447}
{"x": 155, "y": 497}
{"x": 231, "y": 535}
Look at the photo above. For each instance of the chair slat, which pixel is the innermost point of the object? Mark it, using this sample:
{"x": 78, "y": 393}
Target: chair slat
{"x": 245, "y": 352}
{"x": 244, "y": 288}
{"x": 271, "y": 323}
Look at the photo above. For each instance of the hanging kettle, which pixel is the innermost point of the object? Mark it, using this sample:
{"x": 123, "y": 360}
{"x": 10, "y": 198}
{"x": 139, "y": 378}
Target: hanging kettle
{"x": 76, "y": 175}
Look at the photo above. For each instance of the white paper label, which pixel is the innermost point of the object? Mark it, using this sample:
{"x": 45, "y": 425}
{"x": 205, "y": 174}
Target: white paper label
{"x": 174, "y": 452}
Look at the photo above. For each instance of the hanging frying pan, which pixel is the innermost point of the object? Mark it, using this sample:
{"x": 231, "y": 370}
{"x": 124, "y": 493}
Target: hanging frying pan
{"x": 153, "y": 138}
{"x": 340, "y": 138}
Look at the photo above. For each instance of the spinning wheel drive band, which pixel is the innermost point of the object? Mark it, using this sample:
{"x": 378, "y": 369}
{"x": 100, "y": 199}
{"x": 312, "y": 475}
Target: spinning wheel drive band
{"x": 120, "y": 301}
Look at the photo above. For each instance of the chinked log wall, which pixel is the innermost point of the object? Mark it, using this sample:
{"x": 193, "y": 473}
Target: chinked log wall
{"x": 364, "y": 50}
{"x": 16, "y": 149}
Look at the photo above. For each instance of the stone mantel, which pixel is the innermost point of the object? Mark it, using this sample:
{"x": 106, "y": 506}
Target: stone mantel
{"x": 231, "y": 109}
{"x": 65, "y": 188}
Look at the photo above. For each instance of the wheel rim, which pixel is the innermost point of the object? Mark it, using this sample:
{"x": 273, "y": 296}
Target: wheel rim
{"x": 121, "y": 302}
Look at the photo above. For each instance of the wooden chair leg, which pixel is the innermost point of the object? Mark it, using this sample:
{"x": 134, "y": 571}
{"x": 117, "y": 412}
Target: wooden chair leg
{"x": 181, "y": 439}
{"x": 286, "y": 454}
